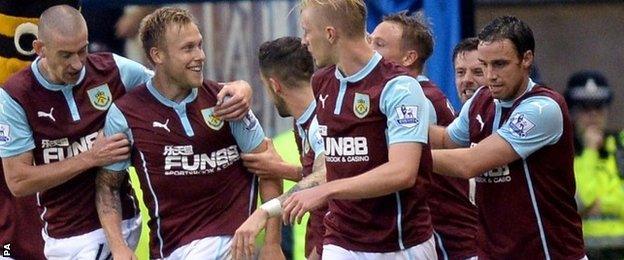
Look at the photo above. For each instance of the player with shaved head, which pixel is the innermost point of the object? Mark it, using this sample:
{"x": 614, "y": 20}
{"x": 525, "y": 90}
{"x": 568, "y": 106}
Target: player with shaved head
{"x": 50, "y": 139}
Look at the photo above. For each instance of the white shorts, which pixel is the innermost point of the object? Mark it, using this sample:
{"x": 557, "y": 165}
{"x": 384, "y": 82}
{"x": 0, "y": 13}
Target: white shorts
{"x": 91, "y": 245}
{"x": 425, "y": 250}
{"x": 217, "y": 247}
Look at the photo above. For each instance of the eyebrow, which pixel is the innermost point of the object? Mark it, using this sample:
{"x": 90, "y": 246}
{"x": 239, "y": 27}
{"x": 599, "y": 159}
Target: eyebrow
{"x": 70, "y": 52}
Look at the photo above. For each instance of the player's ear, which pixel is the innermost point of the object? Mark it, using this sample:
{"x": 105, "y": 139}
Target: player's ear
{"x": 275, "y": 85}
{"x": 527, "y": 59}
{"x": 39, "y": 47}
{"x": 330, "y": 34}
{"x": 410, "y": 58}
{"x": 156, "y": 55}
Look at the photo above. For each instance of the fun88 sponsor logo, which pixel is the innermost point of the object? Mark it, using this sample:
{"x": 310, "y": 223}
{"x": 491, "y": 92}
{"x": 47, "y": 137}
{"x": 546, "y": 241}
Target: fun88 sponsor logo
{"x": 346, "y": 149}
{"x": 61, "y": 149}
{"x": 182, "y": 161}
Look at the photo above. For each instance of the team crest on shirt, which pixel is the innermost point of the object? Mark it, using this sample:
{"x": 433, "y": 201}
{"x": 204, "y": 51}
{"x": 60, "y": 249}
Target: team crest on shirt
{"x": 520, "y": 125}
{"x": 4, "y": 134}
{"x": 100, "y": 97}
{"x": 361, "y": 105}
{"x": 407, "y": 115}
{"x": 211, "y": 120}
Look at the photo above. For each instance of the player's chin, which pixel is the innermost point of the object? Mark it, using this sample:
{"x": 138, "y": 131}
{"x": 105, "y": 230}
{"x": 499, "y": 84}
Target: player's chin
{"x": 196, "y": 80}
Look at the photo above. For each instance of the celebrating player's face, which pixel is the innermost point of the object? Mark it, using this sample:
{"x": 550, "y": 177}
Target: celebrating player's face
{"x": 314, "y": 37}
{"x": 468, "y": 74}
{"x": 386, "y": 39}
{"x": 278, "y": 101}
{"x": 505, "y": 71}
{"x": 65, "y": 56}
{"x": 184, "y": 56}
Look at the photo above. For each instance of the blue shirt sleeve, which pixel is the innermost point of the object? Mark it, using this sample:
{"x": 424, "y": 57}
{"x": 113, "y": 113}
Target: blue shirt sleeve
{"x": 15, "y": 133}
{"x": 116, "y": 123}
{"x": 433, "y": 118}
{"x": 247, "y": 132}
{"x": 315, "y": 138}
{"x": 132, "y": 73}
{"x": 535, "y": 123}
{"x": 405, "y": 106}
{"x": 459, "y": 129}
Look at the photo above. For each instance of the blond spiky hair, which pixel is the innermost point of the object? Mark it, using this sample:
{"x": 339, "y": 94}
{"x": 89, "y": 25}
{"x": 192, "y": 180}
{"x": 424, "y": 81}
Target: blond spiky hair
{"x": 153, "y": 26}
{"x": 349, "y": 16}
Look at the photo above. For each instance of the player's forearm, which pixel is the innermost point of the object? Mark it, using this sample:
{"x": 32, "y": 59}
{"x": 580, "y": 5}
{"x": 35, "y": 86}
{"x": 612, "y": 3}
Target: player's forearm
{"x": 288, "y": 171}
{"x": 455, "y": 163}
{"x": 382, "y": 180}
{"x": 23, "y": 178}
{"x": 316, "y": 178}
{"x": 108, "y": 206}
{"x": 269, "y": 189}
{"x": 400, "y": 172}
{"x": 439, "y": 139}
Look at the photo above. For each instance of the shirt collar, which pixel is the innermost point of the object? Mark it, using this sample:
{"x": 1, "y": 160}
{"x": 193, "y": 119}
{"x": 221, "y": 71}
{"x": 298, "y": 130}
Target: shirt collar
{"x": 51, "y": 86}
{"x": 363, "y": 72}
{"x": 421, "y": 78}
{"x": 168, "y": 102}
{"x": 307, "y": 113}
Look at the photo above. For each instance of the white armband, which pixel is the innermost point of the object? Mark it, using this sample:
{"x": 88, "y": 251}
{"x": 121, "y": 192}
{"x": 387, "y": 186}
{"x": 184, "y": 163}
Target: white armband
{"x": 273, "y": 207}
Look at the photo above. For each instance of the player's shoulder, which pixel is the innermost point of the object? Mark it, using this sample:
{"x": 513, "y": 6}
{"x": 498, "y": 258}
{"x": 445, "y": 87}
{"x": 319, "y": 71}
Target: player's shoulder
{"x": 21, "y": 81}
{"x": 324, "y": 73}
{"x": 210, "y": 88}
{"x": 543, "y": 90}
{"x": 101, "y": 61}
{"x": 390, "y": 70}
{"x": 432, "y": 91}
{"x": 321, "y": 77}
{"x": 136, "y": 95}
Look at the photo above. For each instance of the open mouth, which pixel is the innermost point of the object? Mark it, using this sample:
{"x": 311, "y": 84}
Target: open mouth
{"x": 469, "y": 92}
{"x": 196, "y": 68}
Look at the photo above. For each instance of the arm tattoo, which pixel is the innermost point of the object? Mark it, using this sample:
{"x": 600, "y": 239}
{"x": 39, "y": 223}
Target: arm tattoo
{"x": 317, "y": 177}
{"x": 107, "y": 185}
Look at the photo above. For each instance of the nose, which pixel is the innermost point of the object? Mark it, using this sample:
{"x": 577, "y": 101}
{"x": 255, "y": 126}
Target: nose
{"x": 467, "y": 79}
{"x": 489, "y": 73}
{"x": 76, "y": 63}
{"x": 202, "y": 55}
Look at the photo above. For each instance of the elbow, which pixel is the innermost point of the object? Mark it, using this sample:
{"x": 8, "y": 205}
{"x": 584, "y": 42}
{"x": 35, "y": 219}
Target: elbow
{"x": 18, "y": 190}
{"x": 469, "y": 171}
{"x": 16, "y": 186}
{"x": 407, "y": 179}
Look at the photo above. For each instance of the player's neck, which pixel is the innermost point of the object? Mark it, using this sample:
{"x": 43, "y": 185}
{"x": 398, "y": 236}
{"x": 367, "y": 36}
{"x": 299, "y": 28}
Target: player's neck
{"x": 169, "y": 89}
{"x": 299, "y": 100}
{"x": 415, "y": 72}
{"x": 42, "y": 65}
{"x": 521, "y": 89}
{"x": 353, "y": 56}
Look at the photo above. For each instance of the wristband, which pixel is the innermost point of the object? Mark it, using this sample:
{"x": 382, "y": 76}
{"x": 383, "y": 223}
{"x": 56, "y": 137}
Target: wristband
{"x": 273, "y": 207}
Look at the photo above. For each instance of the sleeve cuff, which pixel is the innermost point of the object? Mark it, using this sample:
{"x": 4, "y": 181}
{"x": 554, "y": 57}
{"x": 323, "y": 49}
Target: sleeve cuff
{"x": 4, "y": 153}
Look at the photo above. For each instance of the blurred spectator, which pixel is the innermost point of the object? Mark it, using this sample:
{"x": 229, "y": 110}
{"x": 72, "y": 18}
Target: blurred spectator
{"x": 598, "y": 160}
{"x": 127, "y": 28}
{"x": 102, "y": 34}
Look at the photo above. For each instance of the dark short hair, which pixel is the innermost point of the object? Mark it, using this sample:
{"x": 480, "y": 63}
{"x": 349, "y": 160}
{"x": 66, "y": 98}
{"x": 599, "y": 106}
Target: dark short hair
{"x": 466, "y": 45}
{"x": 287, "y": 59}
{"x": 511, "y": 28}
{"x": 416, "y": 33}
